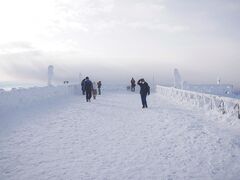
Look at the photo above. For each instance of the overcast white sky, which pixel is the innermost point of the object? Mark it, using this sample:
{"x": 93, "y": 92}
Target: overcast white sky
{"x": 118, "y": 39}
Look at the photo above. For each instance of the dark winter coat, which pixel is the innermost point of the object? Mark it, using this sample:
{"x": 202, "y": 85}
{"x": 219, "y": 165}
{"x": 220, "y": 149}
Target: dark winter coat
{"x": 133, "y": 83}
{"x": 144, "y": 88}
{"x": 83, "y": 84}
{"x": 88, "y": 85}
{"x": 99, "y": 84}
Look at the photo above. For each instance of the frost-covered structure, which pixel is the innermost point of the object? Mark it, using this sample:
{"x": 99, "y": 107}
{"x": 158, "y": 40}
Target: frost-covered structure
{"x": 50, "y": 75}
{"x": 177, "y": 79}
{"x": 225, "y": 105}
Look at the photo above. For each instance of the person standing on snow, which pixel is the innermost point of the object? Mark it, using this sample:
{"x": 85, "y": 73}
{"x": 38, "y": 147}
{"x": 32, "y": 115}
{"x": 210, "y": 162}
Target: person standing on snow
{"x": 88, "y": 88}
{"x": 99, "y": 85}
{"x": 94, "y": 90}
{"x": 83, "y": 86}
{"x": 133, "y": 84}
{"x": 144, "y": 91}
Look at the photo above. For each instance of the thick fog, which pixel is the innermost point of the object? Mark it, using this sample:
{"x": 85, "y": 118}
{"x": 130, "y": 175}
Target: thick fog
{"x": 115, "y": 40}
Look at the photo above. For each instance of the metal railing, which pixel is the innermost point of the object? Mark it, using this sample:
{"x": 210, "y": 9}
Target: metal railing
{"x": 223, "y": 105}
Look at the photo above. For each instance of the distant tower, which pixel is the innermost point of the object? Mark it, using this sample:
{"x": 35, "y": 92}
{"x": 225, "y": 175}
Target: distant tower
{"x": 50, "y": 75}
{"x": 218, "y": 80}
{"x": 177, "y": 79}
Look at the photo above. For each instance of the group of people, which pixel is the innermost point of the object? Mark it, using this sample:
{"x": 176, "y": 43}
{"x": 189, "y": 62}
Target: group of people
{"x": 90, "y": 88}
{"x": 144, "y": 90}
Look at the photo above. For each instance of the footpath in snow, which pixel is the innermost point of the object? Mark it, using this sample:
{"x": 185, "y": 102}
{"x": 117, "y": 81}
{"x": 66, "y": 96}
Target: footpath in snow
{"x": 112, "y": 138}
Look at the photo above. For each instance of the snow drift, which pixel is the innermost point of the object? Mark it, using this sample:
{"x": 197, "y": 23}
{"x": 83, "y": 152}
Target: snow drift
{"x": 19, "y": 98}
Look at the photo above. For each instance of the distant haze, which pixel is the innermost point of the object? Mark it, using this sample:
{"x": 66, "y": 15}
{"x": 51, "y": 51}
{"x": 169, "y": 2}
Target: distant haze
{"x": 114, "y": 40}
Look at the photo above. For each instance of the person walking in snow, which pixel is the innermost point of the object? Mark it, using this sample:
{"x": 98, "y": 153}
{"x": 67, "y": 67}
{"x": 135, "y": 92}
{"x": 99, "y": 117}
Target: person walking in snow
{"x": 144, "y": 91}
{"x": 83, "y": 86}
{"x": 133, "y": 84}
{"x": 94, "y": 90}
{"x": 99, "y": 85}
{"x": 88, "y": 88}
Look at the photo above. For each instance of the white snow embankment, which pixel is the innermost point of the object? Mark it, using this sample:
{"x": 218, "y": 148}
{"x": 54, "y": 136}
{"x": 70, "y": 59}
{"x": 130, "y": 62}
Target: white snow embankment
{"x": 20, "y": 98}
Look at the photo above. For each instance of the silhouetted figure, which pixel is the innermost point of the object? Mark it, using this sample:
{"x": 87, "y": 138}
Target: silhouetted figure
{"x": 88, "y": 88}
{"x": 133, "y": 85}
{"x": 94, "y": 90}
{"x": 83, "y": 86}
{"x": 99, "y": 85}
{"x": 144, "y": 91}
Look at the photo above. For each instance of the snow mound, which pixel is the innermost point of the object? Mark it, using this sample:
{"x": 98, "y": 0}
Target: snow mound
{"x": 19, "y": 98}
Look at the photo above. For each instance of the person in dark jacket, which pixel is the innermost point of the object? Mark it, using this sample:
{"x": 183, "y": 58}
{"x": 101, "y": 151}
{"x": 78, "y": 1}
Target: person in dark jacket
{"x": 83, "y": 86}
{"x": 99, "y": 85}
{"x": 133, "y": 84}
{"x": 144, "y": 91}
{"x": 88, "y": 88}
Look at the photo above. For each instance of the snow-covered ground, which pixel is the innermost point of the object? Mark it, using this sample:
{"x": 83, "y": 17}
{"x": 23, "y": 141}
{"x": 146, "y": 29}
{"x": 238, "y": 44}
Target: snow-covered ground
{"x": 113, "y": 138}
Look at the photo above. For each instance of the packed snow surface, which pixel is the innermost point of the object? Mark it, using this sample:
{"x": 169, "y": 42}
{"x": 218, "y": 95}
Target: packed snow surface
{"x": 113, "y": 138}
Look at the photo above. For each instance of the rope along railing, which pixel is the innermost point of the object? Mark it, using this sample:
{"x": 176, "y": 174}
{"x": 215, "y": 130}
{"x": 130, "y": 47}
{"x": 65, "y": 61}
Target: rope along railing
{"x": 223, "y": 105}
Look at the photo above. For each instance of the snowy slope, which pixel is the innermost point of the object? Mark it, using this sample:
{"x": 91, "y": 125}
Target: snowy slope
{"x": 113, "y": 138}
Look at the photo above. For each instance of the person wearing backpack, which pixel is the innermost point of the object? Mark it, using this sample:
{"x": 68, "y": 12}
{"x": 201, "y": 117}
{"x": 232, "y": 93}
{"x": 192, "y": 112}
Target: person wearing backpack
{"x": 88, "y": 88}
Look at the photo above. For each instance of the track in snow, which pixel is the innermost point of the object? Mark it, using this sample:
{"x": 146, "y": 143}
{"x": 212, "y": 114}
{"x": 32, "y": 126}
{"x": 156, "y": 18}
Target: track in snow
{"x": 113, "y": 138}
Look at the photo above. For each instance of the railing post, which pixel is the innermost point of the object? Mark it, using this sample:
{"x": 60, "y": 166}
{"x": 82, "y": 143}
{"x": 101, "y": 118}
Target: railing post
{"x": 221, "y": 106}
{"x": 211, "y": 103}
{"x": 238, "y": 109}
